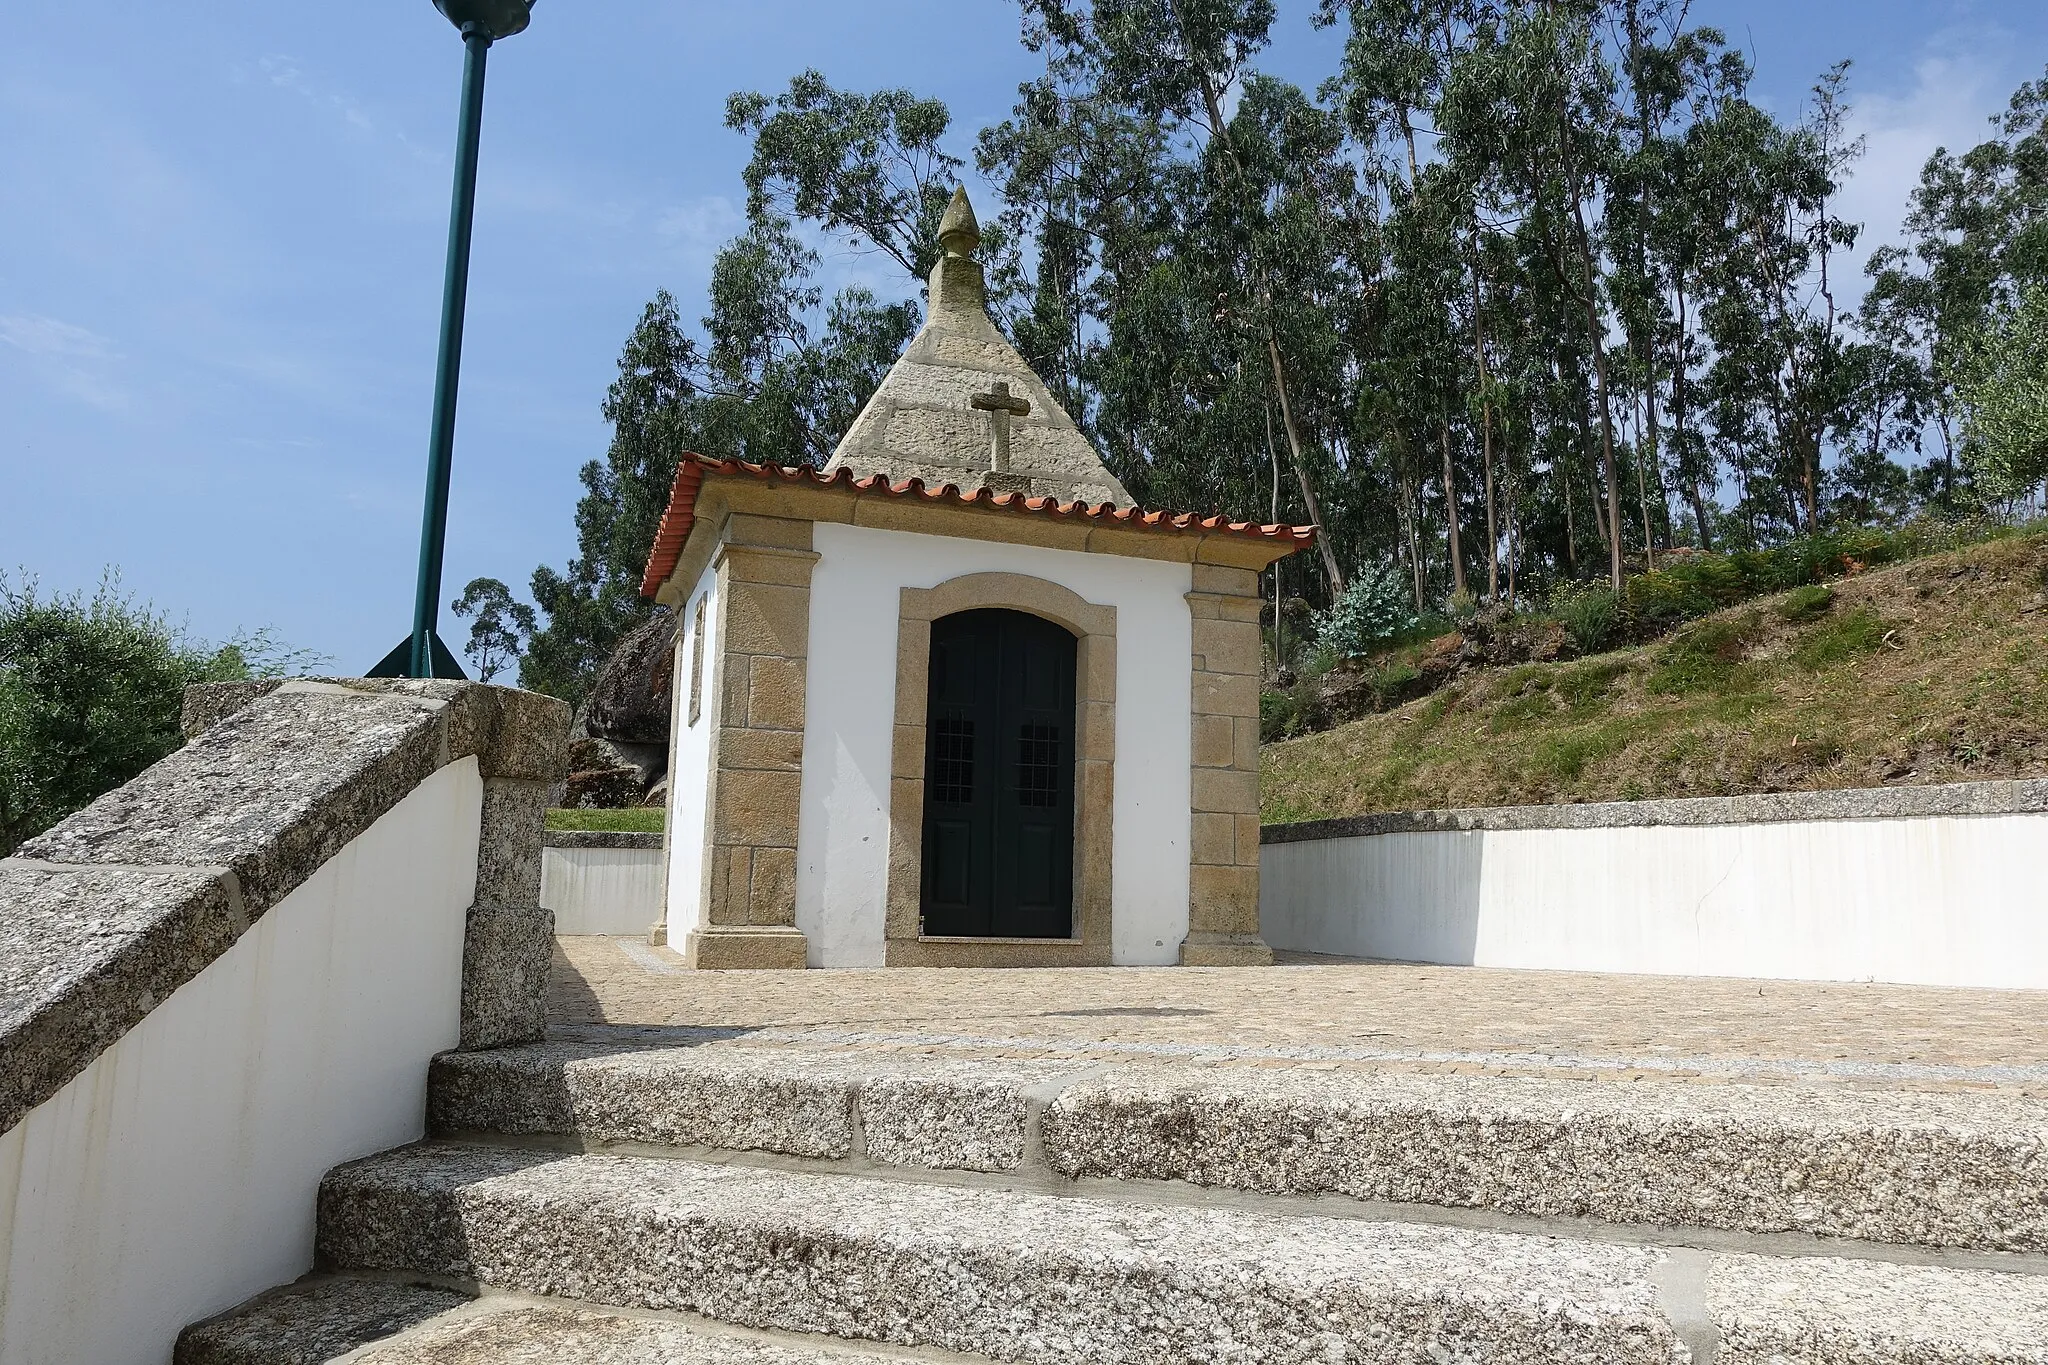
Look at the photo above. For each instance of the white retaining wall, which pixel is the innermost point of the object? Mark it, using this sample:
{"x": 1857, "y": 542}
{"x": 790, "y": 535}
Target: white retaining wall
{"x": 175, "y": 1176}
{"x": 1946, "y": 899}
{"x": 603, "y": 890}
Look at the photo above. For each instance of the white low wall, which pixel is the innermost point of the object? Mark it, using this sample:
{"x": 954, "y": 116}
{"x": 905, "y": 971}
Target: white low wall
{"x": 175, "y": 1176}
{"x": 1946, "y": 897}
{"x": 602, "y": 890}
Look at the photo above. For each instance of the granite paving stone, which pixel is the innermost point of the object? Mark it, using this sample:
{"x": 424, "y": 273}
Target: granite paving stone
{"x": 1379, "y": 1016}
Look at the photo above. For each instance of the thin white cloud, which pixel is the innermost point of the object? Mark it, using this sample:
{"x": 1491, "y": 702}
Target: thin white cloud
{"x": 39, "y": 335}
{"x": 701, "y": 225}
{"x": 69, "y": 360}
{"x": 286, "y": 74}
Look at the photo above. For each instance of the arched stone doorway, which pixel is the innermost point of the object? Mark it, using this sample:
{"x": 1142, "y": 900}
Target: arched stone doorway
{"x": 1086, "y": 766}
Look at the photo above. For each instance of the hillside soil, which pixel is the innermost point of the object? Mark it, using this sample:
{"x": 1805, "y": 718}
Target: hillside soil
{"x": 1931, "y": 671}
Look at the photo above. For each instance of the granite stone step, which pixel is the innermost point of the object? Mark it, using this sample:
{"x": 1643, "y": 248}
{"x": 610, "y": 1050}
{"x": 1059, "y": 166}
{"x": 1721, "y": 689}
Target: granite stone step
{"x": 1064, "y": 1280}
{"x": 1919, "y": 1168}
{"x": 393, "y": 1323}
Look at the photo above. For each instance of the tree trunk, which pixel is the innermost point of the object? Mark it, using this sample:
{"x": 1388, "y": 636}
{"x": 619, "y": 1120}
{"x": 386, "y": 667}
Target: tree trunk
{"x": 1308, "y": 488}
{"x": 1696, "y": 493}
{"x": 1451, "y": 513}
{"x": 1595, "y": 338}
{"x": 1485, "y": 428}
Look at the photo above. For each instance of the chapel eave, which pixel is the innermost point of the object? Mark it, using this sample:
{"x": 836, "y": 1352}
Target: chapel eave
{"x": 704, "y": 489}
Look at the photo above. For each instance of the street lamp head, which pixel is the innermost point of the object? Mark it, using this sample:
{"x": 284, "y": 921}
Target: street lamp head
{"x": 496, "y": 18}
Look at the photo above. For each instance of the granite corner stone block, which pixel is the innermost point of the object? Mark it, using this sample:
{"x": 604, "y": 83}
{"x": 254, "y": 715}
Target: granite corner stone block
{"x": 516, "y": 735}
{"x": 85, "y": 953}
{"x": 509, "y": 842}
{"x": 506, "y": 954}
{"x": 313, "y": 1324}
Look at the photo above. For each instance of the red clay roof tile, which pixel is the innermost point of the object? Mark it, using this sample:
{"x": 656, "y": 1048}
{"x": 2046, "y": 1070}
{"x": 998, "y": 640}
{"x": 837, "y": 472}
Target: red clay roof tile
{"x": 682, "y": 508}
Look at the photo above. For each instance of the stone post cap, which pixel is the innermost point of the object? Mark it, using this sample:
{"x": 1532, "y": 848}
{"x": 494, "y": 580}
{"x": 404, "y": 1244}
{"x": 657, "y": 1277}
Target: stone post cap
{"x": 959, "y": 231}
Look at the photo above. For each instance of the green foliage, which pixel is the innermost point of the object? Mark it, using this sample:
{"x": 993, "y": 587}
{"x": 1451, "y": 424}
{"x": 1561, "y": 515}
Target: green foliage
{"x": 502, "y": 625}
{"x": 1587, "y": 686}
{"x": 2006, "y": 396}
{"x": 1531, "y": 284}
{"x": 866, "y": 164}
{"x": 90, "y": 693}
{"x": 1374, "y": 608}
{"x": 1590, "y": 615}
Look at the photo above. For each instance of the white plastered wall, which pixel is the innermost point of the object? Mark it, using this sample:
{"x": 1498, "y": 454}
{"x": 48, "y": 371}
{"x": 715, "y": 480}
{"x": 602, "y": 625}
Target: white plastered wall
{"x": 176, "y": 1175}
{"x": 614, "y": 891}
{"x": 689, "y": 759}
{"x": 843, "y": 831}
{"x": 1932, "y": 900}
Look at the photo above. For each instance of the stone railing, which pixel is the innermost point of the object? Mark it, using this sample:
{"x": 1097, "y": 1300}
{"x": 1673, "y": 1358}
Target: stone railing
{"x": 231, "y": 972}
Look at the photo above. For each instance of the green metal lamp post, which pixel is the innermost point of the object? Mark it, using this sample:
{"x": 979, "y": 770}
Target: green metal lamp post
{"x": 482, "y": 22}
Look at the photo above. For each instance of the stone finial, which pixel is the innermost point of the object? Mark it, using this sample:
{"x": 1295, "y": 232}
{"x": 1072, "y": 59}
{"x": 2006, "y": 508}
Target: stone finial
{"x": 959, "y": 233}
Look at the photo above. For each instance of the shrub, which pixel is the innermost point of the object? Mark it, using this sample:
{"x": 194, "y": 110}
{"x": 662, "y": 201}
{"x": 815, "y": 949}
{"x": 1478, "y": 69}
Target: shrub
{"x": 1376, "y": 607}
{"x": 90, "y": 692}
{"x": 1589, "y": 614}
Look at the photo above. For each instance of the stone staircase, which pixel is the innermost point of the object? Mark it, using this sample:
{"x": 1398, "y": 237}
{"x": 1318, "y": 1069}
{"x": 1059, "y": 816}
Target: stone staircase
{"x": 652, "y": 1195}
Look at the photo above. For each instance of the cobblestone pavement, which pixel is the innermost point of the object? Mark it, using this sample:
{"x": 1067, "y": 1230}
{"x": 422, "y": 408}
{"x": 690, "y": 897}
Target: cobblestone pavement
{"x": 1374, "y": 1015}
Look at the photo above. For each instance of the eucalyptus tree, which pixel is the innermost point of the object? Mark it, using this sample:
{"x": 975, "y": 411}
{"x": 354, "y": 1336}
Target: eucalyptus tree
{"x": 1177, "y": 65}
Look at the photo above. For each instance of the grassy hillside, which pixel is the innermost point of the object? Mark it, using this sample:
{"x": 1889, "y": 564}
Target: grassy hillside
{"x": 1930, "y": 671}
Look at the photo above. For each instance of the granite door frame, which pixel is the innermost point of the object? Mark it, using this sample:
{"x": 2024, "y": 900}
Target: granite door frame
{"x": 1094, "y": 629}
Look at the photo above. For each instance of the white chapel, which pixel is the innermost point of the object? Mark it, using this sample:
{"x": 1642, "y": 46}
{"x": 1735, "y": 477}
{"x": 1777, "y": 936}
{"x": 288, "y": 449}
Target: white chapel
{"x": 952, "y": 700}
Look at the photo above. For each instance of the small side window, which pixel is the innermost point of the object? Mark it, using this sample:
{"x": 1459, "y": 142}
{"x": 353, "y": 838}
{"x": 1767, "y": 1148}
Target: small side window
{"x": 697, "y": 664}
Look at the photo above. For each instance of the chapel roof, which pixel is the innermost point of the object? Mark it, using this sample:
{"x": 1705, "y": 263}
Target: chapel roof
{"x": 923, "y": 422}
{"x": 691, "y": 472}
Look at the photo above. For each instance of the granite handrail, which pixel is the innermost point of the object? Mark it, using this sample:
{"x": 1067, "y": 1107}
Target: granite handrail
{"x": 105, "y": 915}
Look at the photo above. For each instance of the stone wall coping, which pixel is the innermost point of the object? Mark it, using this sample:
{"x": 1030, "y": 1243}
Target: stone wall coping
{"x": 599, "y": 838}
{"x": 109, "y": 911}
{"x": 2015, "y": 797}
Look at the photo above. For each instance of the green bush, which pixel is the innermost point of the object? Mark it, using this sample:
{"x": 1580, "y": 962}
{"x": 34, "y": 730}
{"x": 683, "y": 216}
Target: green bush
{"x": 90, "y": 692}
{"x": 1376, "y": 607}
{"x": 1591, "y": 615}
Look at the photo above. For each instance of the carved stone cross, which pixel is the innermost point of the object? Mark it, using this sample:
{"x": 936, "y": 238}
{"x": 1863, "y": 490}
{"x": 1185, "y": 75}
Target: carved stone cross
{"x": 1000, "y": 407}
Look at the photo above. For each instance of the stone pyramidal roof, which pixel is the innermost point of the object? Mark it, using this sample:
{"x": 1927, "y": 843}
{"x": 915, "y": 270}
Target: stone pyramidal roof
{"x": 923, "y": 422}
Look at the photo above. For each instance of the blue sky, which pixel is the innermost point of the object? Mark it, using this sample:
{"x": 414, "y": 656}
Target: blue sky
{"x": 222, "y": 225}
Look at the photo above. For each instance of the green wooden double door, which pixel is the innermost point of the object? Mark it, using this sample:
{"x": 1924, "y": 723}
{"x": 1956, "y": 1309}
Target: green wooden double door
{"x": 999, "y": 778}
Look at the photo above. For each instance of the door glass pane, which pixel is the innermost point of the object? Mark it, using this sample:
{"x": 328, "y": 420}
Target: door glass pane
{"x": 952, "y": 740}
{"x": 1038, "y": 765}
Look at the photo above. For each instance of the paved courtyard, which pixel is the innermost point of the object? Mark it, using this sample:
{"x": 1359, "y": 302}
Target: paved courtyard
{"x": 1344, "y": 1014}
